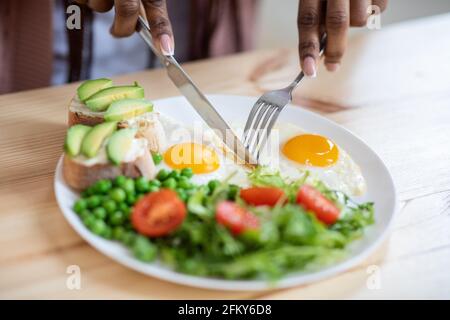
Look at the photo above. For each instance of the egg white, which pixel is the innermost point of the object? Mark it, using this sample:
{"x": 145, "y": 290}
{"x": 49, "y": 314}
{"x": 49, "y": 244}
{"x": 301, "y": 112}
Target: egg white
{"x": 177, "y": 133}
{"x": 344, "y": 175}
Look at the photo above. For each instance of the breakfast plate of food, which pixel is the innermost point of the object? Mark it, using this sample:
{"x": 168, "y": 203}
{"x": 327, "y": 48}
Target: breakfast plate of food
{"x": 149, "y": 185}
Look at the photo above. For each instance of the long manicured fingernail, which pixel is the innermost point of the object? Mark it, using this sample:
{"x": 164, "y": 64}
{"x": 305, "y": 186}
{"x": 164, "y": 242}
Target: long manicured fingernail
{"x": 332, "y": 67}
{"x": 309, "y": 67}
{"x": 166, "y": 45}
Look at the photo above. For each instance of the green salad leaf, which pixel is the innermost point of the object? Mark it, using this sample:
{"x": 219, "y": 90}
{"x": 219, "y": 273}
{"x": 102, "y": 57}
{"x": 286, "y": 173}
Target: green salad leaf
{"x": 266, "y": 177}
{"x": 289, "y": 238}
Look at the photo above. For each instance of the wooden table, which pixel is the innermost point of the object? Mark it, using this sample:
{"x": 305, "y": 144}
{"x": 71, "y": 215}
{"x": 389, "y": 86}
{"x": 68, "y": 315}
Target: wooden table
{"x": 393, "y": 91}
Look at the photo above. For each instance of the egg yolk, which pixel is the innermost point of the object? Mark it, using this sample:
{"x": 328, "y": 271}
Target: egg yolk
{"x": 312, "y": 150}
{"x": 201, "y": 158}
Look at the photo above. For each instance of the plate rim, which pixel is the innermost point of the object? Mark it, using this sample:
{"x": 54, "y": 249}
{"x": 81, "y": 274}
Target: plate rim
{"x": 171, "y": 276}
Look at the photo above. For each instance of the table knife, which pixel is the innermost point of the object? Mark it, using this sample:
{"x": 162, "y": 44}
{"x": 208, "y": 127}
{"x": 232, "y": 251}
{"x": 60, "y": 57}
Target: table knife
{"x": 197, "y": 99}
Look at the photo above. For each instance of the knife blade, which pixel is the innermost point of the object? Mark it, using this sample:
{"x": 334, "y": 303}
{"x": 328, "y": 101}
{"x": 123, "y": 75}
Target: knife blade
{"x": 198, "y": 100}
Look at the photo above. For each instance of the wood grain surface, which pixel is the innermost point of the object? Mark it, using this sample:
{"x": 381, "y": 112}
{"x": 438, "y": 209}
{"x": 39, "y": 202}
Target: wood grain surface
{"x": 393, "y": 91}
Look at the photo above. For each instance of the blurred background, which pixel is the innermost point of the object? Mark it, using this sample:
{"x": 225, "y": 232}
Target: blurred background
{"x": 36, "y": 48}
{"x": 275, "y": 18}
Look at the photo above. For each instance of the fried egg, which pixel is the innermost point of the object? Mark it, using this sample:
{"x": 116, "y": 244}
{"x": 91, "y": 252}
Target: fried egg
{"x": 200, "y": 158}
{"x": 295, "y": 151}
{"x": 199, "y": 149}
{"x": 290, "y": 149}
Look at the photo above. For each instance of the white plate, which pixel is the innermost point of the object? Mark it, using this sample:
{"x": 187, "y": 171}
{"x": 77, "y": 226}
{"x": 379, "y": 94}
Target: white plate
{"x": 380, "y": 189}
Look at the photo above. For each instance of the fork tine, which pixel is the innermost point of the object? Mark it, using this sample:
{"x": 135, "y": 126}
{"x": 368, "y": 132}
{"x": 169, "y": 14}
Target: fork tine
{"x": 262, "y": 126}
{"x": 274, "y": 116}
{"x": 251, "y": 116}
{"x": 251, "y": 120}
{"x": 261, "y": 110}
{"x": 256, "y": 129}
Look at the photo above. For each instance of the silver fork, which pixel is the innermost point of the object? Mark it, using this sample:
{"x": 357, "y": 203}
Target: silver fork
{"x": 265, "y": 113}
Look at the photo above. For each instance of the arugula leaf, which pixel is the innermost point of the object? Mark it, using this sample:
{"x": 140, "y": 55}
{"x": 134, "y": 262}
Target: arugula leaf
{"x": 289, "y": 238}
{"x": 355, "y": 218}
{"x": 195, "y": 203}
{"x": 263, "y": 176}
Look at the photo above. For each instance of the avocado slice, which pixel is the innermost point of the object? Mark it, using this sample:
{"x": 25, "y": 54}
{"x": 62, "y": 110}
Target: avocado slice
{"x": 74, "y": 137}
{"x": 94, "y": 138}
{"x": 119, "y": 144}
{"x": 101, "y": 100}
{"x": 90, "y": 87}
{"x": 127, "y": 108}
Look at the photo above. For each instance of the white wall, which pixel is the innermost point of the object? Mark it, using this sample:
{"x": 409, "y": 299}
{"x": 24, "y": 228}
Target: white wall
{"x": 277, "y": 18}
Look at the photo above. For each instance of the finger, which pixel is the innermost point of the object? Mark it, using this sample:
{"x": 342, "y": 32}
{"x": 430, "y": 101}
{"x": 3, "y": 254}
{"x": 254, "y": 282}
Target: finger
{"x": 382, "y": 4}
{"x": 100, "y": 5}
{"x": 359, "y": 12}
{"x": 127, "y": 12}
{"x": 159, "y": 23}
{"x": 337, "y": 24}
{"x": 308, "y": 21}
{"x": 81, "y": 1}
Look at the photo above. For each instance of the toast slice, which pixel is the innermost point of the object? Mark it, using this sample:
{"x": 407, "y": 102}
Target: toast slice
{"x": 149, "y": 124}
{"x": 80, "y": 114}
{"x": 80, "y": 173}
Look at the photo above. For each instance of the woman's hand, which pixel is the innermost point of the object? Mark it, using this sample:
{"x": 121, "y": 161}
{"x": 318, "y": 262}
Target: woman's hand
{"x": 333, "y": 17}
{"x": 127, "y": 12}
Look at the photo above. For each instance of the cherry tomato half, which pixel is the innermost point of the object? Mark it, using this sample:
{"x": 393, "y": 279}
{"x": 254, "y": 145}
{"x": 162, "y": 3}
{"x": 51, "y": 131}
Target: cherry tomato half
{"x": 236, "y": 218}
{"x": 311, "y": 199}
{"x": 262, "y": 196}
{"x": 158, "y": 213}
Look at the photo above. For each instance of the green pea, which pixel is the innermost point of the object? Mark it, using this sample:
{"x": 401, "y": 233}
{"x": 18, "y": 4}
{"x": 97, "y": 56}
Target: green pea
{"x": 184, "y": 183}
{"x": 116, "y": 218}
{"x": 103, "y": 186}
{"x": 84, "y": 214}
{"x": 119, "y": 181}
{"x": 89, "y": 221}
{"x": 107, "y": 233}
{"x": 118, "y": 233}
{"x": 170, "y": 183}
{"x": 153, "y": 189}
{"x": 131, "y": 199}
{"x": 98, "y": 227}
{"x": 233, "y": 191}
{"x": 162, "y": 175}
{"x": 143, "y": 249}
{"x": 128, "y": 238}
{"x": 155, "y": 183}
{"x": 100, "y": 213}
{"x": 126, "y": 212}
{"x": 84, "y": 194}
{"x": 118, "y": 195}
{"x": 109, "y": 205}
{"x": 80, "y": 205}
{"x": 213, "y": 184}
{"x": 157, "y": 158}
{"x": 174, "y": 174}
{"x": 128, "y": 186}
{"x": 93, "y": 201}
{"x": 187, "y": 172}
{"x": 123, "y": 207}
{"x": 142, "y": 185}
{"x": 90, "y": 191}
{"x": 182, "y": 194}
